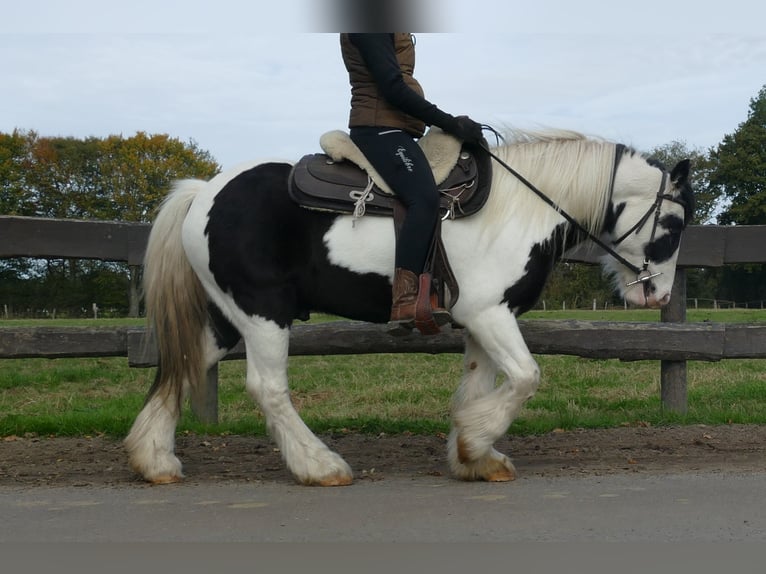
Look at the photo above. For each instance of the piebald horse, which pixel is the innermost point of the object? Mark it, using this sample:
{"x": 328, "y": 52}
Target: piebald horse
{"x": 235, "y": 257}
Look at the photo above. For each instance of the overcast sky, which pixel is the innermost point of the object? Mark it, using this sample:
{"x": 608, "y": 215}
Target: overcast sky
{"x": 249, "y": 79}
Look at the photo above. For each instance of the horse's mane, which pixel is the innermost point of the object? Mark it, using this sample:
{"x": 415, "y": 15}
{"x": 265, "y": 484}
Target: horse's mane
{"x": 572, "y": 169}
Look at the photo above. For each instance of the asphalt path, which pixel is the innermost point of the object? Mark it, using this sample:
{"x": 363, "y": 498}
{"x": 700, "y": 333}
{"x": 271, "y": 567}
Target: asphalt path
{"x": 691, "y": 507}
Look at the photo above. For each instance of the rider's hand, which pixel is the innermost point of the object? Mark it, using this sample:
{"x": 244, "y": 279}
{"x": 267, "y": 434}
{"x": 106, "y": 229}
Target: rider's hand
{"x": 465, "y": 129}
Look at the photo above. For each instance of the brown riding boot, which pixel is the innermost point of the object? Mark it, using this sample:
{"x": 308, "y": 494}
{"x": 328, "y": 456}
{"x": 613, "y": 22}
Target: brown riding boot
{"x": 408, "y": 311}
{"x": 405, "y": 298}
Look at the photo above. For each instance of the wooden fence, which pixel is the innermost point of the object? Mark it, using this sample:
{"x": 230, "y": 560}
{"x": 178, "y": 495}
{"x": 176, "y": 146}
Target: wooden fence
{"x": 672, "y": 341}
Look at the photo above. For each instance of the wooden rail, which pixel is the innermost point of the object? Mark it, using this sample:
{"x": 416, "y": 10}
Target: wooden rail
{"x": 672, "y": 341}
{"x": 702, "y": 245}
{"x": 627, "y": 341}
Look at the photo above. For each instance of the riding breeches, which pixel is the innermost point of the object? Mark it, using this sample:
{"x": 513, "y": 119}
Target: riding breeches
{"x": 403, "y": 166}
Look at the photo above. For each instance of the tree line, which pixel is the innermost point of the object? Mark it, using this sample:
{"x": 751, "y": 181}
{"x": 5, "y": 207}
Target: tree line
{"x": 124, "y": 179}
{"x": 113, "y": 178}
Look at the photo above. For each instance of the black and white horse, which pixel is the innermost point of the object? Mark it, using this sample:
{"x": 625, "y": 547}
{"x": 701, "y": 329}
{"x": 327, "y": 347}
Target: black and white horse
{"x": 236, "y": 258}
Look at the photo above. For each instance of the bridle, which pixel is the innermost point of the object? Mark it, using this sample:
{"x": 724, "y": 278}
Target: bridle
{"x": 642, "y": 273}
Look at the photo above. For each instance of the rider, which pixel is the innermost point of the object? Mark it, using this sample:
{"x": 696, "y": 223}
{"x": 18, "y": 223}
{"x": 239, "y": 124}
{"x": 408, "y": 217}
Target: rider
{"x": 388, "y": 114}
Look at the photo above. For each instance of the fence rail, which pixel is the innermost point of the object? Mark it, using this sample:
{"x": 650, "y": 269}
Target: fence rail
{"x": 702, "y": 245}
{"x": 672, "y": 341}
{"x": 626, "y": 341}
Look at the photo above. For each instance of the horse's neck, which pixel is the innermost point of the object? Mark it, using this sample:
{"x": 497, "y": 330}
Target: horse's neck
{"x": 574, "y": 175}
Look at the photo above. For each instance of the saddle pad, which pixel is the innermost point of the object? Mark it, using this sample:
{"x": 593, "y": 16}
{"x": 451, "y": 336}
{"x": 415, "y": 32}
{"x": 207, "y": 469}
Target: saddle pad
{"x": 318, "y": 182}
{"x": 441, "y": 149}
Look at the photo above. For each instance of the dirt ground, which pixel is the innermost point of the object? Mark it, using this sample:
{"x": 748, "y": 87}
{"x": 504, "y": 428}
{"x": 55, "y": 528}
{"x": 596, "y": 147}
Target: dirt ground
{"x": 99, "y": 461}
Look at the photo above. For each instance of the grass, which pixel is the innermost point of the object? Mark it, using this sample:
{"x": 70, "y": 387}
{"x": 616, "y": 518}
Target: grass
{"x": 387, "y": 393}
{"x": 649, "y": 315}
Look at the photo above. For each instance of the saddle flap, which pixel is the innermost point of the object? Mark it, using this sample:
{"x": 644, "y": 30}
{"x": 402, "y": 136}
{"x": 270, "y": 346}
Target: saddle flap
{"x": 318, "y": 182}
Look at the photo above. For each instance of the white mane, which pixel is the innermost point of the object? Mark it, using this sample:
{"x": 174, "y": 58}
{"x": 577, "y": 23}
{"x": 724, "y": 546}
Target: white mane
{"x": 573, "y": 170}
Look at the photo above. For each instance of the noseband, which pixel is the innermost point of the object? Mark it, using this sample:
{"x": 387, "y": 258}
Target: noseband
{"x": 642, "y": 274}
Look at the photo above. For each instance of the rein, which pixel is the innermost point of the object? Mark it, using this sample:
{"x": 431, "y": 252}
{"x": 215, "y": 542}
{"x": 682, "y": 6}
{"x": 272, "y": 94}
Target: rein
{"x": 642, "y": 276}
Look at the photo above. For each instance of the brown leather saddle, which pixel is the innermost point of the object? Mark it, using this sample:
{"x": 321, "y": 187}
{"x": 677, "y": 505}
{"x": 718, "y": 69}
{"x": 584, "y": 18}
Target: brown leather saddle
{"x": 320, "y": 183}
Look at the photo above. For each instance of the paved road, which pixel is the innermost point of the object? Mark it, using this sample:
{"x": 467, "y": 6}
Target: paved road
{"x": 687, "y": 507}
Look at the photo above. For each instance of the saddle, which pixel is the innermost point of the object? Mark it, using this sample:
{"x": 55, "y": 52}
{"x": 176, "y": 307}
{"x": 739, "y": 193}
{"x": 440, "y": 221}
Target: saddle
{"x": 341, "y": 180}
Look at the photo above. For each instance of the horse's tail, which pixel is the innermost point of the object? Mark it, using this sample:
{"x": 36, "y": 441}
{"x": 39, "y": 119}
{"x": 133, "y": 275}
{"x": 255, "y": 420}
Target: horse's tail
{"x": 176, "y": 305}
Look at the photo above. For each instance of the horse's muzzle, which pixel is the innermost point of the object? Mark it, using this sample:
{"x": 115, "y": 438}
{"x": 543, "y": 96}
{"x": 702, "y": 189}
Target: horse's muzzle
{"x": 655, "y": 303}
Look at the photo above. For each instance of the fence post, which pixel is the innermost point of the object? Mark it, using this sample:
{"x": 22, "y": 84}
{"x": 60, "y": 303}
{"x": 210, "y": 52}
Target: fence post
{"x": 673, "y": 373}
{"x": 204, "y": 401}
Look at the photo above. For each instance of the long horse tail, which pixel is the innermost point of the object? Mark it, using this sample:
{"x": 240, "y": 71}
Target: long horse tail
{"x": 176, "y": 305}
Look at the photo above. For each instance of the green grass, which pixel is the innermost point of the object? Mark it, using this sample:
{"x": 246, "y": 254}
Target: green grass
{"x": 648, "y": 315}
{"x": 614, "y": 314}
{"x": 387, "y": 393}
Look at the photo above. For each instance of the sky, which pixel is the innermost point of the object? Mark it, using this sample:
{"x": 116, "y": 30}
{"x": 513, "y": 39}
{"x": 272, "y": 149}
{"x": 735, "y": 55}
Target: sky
{"x": 251, "y": 79}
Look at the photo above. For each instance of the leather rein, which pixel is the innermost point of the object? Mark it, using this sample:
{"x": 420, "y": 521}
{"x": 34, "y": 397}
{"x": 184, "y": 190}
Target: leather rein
{"x": 642, "y": 274}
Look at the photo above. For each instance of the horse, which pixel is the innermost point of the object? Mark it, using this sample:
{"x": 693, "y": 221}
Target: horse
{"x": 234, "y": 257}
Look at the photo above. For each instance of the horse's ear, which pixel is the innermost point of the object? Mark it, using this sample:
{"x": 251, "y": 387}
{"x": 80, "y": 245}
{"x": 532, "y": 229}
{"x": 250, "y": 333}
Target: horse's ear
{"x": 680, "y": 179}
{"x": 680, "y": 173}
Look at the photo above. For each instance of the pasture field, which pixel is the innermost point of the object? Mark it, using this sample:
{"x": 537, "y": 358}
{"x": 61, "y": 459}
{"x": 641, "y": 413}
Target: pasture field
{"x": 385, "y": 393}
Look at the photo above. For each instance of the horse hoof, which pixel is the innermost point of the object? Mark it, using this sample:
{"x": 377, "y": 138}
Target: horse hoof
{"x": 498, "y": 469}
{"x": 168, "y": 479}
{"x": 501, "y": 475}
{"x": 337, "y": 480}
{"x": 490, "y": 467}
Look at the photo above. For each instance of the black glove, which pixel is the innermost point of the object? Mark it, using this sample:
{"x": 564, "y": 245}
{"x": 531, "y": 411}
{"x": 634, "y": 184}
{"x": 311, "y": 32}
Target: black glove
{"x": 465, "y": 129}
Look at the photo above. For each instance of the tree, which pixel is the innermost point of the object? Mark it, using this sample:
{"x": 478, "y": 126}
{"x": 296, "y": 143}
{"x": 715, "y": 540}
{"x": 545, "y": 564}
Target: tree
{"x": 708, "y": 200}
{"x": 135, "y": 176}
{"x": 739, "y": 168}
{"x": 61, "y": 173}
{"x": 16, "y": 197}
{"x": 115, "y": 178}
{"x": 135, "y": 173}
{"x": 739, "y": 173}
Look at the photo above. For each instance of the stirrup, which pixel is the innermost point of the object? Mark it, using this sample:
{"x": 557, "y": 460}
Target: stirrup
{"x": 442, "y": 317}
{"x": 425, "y": 321}
{"x": 400, "y": 328}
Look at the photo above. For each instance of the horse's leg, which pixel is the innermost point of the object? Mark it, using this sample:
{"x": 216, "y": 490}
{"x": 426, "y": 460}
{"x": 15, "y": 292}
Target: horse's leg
{"x": 482, "y": 412}
{"x": 479, "y": 374}
{"x": 151, "y": 441}
{"x": 307, "y": 457}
